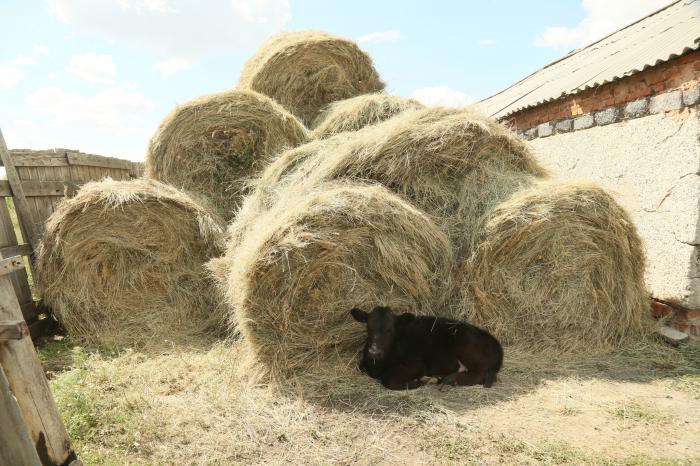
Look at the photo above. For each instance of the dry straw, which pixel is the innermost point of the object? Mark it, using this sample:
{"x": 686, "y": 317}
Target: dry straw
{"x": 213, "y": 144}
{"x": 307, "y": 70}
{"x": 121, "y": 264}
{"x": 560, "y": 265}
{"x": 453, "y": 164}
{"x": 357, "y": 112}
{"x": 317, "y": 254}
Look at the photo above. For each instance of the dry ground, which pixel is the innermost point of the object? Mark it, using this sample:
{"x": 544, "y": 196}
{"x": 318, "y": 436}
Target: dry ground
{"x": 639, "y": 406}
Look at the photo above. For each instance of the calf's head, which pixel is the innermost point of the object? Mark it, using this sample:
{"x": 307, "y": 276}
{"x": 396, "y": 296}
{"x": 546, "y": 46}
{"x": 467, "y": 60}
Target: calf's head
{"x": 381, "y": 329}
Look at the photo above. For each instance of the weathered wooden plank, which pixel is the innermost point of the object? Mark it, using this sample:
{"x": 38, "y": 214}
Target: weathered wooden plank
{"x": 8, "y": 239}
{"x": 18, "y": 195}
{"x": 27, "y": 381}
{"x": 5, "y": 190}
{"x": 48, "y": 188}
{"x": 13, "y": 329}
{"x": 17, "y": 447}
{"x": 39, "y": 160}
{"x": 76, "y": 158}
{"x": 16, "y": 250}
{"x": 11, "y": 264}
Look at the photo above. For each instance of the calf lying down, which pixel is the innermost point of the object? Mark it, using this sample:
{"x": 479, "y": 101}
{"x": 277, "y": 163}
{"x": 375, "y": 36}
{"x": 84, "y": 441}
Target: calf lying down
{"x": 402, "y": 351}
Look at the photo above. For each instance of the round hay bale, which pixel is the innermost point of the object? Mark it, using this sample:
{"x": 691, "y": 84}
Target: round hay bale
{"x": 121, "y": 264}
{"x": 212, "y": 145}
{"x": 559, "y": 265}
{"x": 308, "y": 261}
{"x": 306, "y": 70}
{"x": 451, "y": 163}
{"x": 357, "y": 112}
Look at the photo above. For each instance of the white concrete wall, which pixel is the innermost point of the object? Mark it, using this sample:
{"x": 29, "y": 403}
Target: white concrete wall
{"x": 653, "y": 163}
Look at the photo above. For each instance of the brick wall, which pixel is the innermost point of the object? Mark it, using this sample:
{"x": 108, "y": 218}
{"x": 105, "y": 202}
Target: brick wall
{"x": 680, "y": 73}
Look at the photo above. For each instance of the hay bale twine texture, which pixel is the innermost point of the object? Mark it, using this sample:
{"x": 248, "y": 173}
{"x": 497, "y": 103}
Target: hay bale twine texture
{"x": 307, "y": 70}
{"x": 121, "y": 264}
{"x": 560, "y": 266}
{"x": 212, "y": 145}
{"x": 308, "y": 261}
{"x": 364, "y": 110}
{"x": 451, "y": 163}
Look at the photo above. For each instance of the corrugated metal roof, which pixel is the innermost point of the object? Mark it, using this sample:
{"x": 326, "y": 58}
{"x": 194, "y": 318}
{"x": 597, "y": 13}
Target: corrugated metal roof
{"x": 661, "y": 36}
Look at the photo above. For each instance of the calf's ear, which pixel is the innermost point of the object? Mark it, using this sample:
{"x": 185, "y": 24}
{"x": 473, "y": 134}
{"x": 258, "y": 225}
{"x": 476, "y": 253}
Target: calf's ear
{"x": 358, "y": 314}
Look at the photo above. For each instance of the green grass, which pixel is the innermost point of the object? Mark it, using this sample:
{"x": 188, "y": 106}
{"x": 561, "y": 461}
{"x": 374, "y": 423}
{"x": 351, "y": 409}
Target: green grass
{"x": 639, "y": 412}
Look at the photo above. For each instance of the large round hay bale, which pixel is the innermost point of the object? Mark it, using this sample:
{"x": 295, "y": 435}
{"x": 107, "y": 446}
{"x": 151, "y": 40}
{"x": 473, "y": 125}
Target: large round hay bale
{"x": 308, "y": 261}
{"x": 559, "y": 265}
{"x": 357, "y": 112}
{"x": 121, "y": 264}
{"x": 451, "y": 163}
{"x": 212, "y": 145}
{"x": 306, "y": 70}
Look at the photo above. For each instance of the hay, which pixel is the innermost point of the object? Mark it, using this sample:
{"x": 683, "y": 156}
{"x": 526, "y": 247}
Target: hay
{"x": 357, "y": 112}
{"x": 213, "y": 144}
{"x": 121, "y": 264}
{"x": 306, "y": 70}
{"x": 560, "y": 265}
{"x": 314, "y": 256}
{"x": 451, "y": 163}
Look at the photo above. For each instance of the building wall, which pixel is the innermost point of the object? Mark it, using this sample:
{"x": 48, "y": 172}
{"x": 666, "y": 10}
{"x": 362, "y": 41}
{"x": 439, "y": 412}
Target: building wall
{"x": 678, "y": 74}
{"x": 653, "y": 164}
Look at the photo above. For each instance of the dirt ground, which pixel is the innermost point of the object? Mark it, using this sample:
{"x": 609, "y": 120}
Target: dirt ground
{"x": 639, "y": 406}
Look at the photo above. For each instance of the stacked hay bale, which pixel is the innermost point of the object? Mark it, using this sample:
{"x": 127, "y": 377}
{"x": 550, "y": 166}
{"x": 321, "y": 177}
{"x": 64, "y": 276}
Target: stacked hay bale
{"x": 559, "y": 266}
{"x": 316, "y": 254}
{"x": 452, "y": 163}
{"x": 432, "y": 210}
{"x": 364, "y": 110}
{"x": 307, "y": 70}
{"x": 121, "y": 265}
{"x": 212, "y": 145}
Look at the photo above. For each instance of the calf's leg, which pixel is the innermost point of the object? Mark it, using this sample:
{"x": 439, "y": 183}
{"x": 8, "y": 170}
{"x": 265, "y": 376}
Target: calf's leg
{"x": 403, "y": 376}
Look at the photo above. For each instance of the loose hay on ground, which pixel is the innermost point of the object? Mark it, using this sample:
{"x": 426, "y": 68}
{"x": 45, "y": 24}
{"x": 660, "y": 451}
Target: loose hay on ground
{"x": 308, "y": 261}
{"x": 306, "y": 70}
{"x": 121, "y": 264}
{"x": 357, "y": 112}
{"x": 559, "y": 265}
{"x": 451, "y": 163}
{"x": 213, "y": 144}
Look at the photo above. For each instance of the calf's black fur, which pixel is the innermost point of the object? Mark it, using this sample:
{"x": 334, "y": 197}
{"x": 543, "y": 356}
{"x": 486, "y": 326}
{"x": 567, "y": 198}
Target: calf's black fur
{"x": 401, "y": 350}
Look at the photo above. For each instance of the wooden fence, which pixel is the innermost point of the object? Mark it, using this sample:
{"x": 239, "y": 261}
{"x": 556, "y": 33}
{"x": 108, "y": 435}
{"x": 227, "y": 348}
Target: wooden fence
{"x": 31, "y": 429}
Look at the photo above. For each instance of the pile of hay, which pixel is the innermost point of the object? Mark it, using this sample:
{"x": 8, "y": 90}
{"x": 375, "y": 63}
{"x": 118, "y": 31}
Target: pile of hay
{"x": 453, "y": 164}
{"x": 358, "y": 112}
{"x": 307, "y": 70}
{"x": 121, "y": 264}
{"x": 308, "y": 261}
{"x": 560, "y": 265}
{"x": 212, "y": 145}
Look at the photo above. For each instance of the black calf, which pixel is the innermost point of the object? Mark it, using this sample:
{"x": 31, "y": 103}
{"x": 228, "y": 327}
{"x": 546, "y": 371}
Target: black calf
{"x": 401, "y": 350}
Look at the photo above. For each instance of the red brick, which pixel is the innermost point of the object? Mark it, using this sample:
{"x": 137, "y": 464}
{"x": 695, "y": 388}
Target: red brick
{"x": 659, "y": 310}
{"x": 693, "y": 330}
{"x": 694, "y": 314}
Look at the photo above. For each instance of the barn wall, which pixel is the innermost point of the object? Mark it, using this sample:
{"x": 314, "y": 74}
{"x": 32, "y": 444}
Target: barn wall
{"x": 653, "y": 163}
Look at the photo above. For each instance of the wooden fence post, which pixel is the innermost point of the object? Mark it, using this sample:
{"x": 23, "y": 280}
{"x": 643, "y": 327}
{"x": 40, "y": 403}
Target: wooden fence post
{"x": 21, "y": 204}
{"x": 17, "y": 447}
{"x": 27, "y": 381}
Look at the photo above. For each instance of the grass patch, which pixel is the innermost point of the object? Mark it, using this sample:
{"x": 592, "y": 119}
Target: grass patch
{"x": 636, "y": 412}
